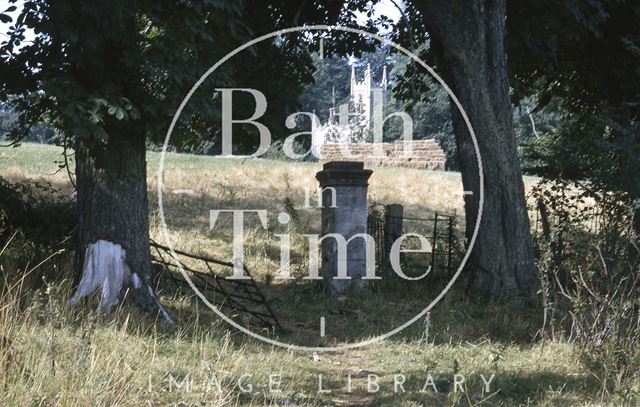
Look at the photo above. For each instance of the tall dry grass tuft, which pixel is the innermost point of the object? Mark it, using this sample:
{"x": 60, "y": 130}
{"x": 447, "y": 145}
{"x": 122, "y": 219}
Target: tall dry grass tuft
{"x": 53, "y": 355}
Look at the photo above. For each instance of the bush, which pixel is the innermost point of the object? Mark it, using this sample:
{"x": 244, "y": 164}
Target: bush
{"x": 35, "y": 223}
{"x": 590, "y": 269}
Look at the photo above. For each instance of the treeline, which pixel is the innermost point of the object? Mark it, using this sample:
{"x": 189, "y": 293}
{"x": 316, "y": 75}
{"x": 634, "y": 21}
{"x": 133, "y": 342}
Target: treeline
{"x": 38, "y": 133}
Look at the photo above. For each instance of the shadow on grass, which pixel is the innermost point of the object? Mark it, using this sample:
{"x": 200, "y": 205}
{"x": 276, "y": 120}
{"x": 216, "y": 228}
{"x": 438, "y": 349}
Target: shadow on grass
{"x": 506, "y": 389}
{"x": 358, "y": 316}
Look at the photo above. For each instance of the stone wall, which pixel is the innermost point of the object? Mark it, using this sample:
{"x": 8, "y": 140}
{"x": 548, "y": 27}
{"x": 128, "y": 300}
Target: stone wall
{"x": 425, "y": 154}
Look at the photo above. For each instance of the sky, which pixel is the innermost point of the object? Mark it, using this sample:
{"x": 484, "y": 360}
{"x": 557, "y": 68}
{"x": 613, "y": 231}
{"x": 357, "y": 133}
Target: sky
{"x": 4, "y": 27}
{"x": 386, "y": 8}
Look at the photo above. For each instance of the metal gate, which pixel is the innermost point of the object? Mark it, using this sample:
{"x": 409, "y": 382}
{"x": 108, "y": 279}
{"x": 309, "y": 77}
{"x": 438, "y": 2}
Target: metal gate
{"x": 439, "y": 229}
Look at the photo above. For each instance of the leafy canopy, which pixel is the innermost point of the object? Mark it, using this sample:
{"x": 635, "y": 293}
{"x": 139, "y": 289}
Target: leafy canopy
{"x": 95, "y": 67}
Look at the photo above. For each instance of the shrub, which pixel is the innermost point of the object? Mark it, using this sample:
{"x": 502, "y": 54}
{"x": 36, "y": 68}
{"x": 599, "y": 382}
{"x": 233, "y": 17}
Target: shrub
{"x": 590, "y": 269}
{"x": 35, "y": 223}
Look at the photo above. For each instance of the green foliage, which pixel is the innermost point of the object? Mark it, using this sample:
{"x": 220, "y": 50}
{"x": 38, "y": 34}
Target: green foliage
{"x": 36, "y": 210}
{"x": 35, "y": 224}
{"x": 581, "y": 60}
{"x": 584, "y": 52}
{"x": 125, "y": 66}
{"x": 37, "y": 133}
{"x": 431, "y": 110}
{"x": 602, "y": 151}
{"x": 331, "y": 74}
{"x": 590, "y": 267}
{"x": 106, "y": 67}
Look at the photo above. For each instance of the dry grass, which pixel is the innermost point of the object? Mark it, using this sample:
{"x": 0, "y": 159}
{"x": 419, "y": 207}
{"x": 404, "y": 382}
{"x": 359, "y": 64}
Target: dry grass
{"x": 53, "y": 355}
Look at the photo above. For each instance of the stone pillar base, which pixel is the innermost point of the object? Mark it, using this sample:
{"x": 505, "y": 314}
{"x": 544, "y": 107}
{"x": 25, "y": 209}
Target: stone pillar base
{"x": 345, "y": 184}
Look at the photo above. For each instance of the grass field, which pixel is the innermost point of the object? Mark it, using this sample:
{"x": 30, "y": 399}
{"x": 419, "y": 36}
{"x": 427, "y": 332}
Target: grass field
{"x": 53, "y": 355}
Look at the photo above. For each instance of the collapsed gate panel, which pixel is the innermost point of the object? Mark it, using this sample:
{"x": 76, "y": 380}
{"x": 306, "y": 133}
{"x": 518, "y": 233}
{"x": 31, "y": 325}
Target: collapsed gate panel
{"x": 242, "y": 296}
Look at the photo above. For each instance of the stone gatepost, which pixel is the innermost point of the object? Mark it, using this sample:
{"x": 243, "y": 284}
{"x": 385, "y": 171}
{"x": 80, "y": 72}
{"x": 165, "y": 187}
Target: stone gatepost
{"x": 344, "y": 183}
{"x": 393, "y": 229}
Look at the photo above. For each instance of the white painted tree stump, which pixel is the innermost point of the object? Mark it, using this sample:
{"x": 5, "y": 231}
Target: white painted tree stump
{"x": 105, "y": 268}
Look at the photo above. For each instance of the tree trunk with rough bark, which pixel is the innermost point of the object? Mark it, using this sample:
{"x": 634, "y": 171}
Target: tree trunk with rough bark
{"x": 113, "y": 229}
{"x": 468, "y": 40}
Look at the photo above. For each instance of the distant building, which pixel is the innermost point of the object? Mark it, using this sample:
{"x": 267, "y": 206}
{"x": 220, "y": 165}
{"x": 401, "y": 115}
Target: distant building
{"x": 344, "y": 138}
{"x": 363, "y": 94}
{"x": 363, "y": 97}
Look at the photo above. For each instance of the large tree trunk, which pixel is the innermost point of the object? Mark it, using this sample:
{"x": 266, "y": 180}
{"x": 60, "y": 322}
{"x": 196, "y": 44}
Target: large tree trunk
{"x": 468, "y": 39}
{"x": 113, "y": 225}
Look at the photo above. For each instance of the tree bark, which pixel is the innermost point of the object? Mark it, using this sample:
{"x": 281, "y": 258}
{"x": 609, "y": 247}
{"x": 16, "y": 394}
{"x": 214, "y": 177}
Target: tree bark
{"x": 468, "y": 40}
{"x": 113, "y": 207}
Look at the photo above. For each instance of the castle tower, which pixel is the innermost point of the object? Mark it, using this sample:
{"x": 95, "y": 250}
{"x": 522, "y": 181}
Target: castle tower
{"x": 362, "y": 93}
